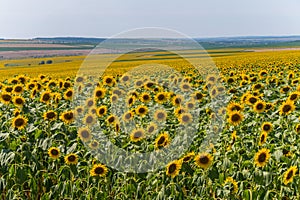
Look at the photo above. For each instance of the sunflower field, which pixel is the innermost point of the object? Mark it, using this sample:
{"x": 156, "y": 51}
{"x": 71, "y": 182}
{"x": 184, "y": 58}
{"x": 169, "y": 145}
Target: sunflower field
{"x": 49, "y": 144}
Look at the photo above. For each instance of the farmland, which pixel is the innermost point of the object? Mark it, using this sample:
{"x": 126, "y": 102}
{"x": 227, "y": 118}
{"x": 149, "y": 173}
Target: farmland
{"x": 48, "y": 140}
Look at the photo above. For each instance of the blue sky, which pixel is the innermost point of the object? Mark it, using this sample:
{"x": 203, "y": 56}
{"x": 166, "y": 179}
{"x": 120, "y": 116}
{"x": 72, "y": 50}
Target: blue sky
{"x": 195, "y": 18}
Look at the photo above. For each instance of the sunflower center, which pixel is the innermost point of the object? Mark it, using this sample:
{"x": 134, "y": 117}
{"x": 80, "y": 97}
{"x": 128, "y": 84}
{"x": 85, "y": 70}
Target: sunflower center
{"x": 85, "y": 134}
{"x": 161, "y": 97}
{"x": 54, "y": 152}
{"x": 46, "y": 97}
{"x": 199, "y": 96}
{"x": 50, "y": 115}
{"x": 18, "y": 89}
{"x": 293, "y": 96}
{"x": 172, "y": 168}
{"x": 160, "y": 115}
{"x": 289, "y": 175}
{"x": 204, "y": 159}
{"x": 142, "y": 110}
{"x": 252, "y": 100}
{"x": 235, "y": 117}
{"x": 138, "y": 134}
{"x": 71, "y": 158}
{"x": 99, "y": 93}
{"x": 6, "y": 97}
{"x": 262, "y": 157}
{"x": 99, "y": 170}
{"x": 111, "y": 119}
{"x": 108, "y": 80}
{"x": 79, "y": 79}
{"x": 259, "y": 106}
{"x": 286, "y": 108}
{"x": 69, "y": 93}
{"x": 151, "y": 129}
{"x": 161, "y": 140}
{"x": 19, "y": 122}
{"x": 185, "y": 118}
{"x": 262, "y": 138}
{"x": 266, "y": 127}
{"x": 69, "y": 116}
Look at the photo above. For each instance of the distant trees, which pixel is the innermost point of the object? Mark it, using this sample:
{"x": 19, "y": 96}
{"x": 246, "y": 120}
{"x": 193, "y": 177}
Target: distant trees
{"x": 48, "y": 62}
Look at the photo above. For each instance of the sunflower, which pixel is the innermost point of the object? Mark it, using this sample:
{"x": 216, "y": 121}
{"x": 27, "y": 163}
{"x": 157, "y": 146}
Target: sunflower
{"x": 141, "y": 110}
{"x": 111, "y": 119}
{"x": 68, "y": 95}
{"x": 203, "y": 160}
{"x": 259, "y": 106}
{"x": 257, "y": 86}
{"x": 235, "y": 118}
{"x": 79, "y": 110}
{"x": 151, "y": 128}
{"x": 67, "y": 117}
{"x": 145, "y": 97}
{"x": 17, "y": 112}
{"x": 84, "y": 134}
{"x": 19, "y": 122}
{"x": 46, "y": 97}
{"x": 79, "y": 79}
{"x": 233, "y": 106}
{"x": 162, "y": 140}
{"x": 101, "y": 111}
{"x": 108, "y": 81}
{"x": 178, "y": 111}
{"x": 177, "y": 100}
{"x": 297, "y": 128}
{"x": 50, "y": 115}
{"x": 288, "y": 176}
{"x": 8, "y": 89}
{"x": 93, "y": 144}
{"x": 294, "y": 96}
{"x": 54, "y": 152}
{"x": 232, "y": 184}
{"x": 188, "y": 157}
{"x": 137, "y": 135}
{"x": 251, "y": 99}
{"x": 262, "y": 138}
{"x": 99, "y": 93}
{"x": 185, "y": 87}
{"x": 185, "y": 118}
{"x": 285, "y": 89}
{"x": 173, "y": 168}
{"x": 267, "y": 127}
{"x": 6, "y": 98}
{"x": 198, "y": 96}
{"x": 90, "y": 102}
{"x": 114, "y": 98}
{"x": 161, "y": 97}
{"x": 71, "y": 159}
{"x": 98, "y": 170}
{"x": 287, "y": 107}
{"x": 262, "y": 157}
{"x": 128, "y": 116}
{"x": 190, "y": 105}
{"x": 18, "y": 101}
{"x": 130, "y": 100}
{"x": 160, "y": 115}
{"x": 18, "y": 89}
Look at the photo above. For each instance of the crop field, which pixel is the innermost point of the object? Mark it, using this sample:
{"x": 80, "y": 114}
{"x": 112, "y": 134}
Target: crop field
{"x": 51, "y": 119}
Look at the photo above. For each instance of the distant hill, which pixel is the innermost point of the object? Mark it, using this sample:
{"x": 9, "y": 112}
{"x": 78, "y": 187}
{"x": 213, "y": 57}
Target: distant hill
{"x": 70, "y": 40}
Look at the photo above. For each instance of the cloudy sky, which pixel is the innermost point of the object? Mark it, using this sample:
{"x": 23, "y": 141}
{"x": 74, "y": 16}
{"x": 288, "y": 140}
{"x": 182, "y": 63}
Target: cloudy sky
{"x": 195, "y": 18}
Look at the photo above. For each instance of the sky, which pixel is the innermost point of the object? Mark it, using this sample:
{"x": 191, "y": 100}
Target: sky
{"x": 195, "y": 18}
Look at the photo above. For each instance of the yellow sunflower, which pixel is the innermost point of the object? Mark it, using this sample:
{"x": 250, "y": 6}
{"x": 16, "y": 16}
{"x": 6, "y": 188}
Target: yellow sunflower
{"x": 161, "y": 97}
{"x": 19, "y": 122}
{"x": 188, "y": 157}
{"x": 89, "y": 119}
{"x": 232, "y": 184}
{"x": 98, "y": 170}
{"x": 68, "y": 95}
{"x": 162, "y": 140}
{"x": 54, "y": 152}
{"x": 160, "y": 115}
{"x": 151, "y": 128}
{"x": 203, "y": 160}
{"x": 6, "y": 98}
{"x": 101, "y": 111}
{"x": 137, "y": 135}
{"x": 18, "y": 101}
{"x": 18, "y": 89}
{"x": 267, "y": 127}
{"x": 128, "y": 116}
{"x": 262, "y": 138}
{"x": 67, "y": 117}
{"x": 145, "y": 97}
{"x": 99, "y": 93}
{"x": 289, "y": 175}
{"x": 141, "y": 110}
{"x": 50, "y": 115}
{"x": 259, "y": 106}
{"x": 185, "y": 118}
{"x": 108, "y": 80}
{"x": 46, "y": 97}
{"x": 173, "y": 168}
{"x": 84, "y": 134}
{"x": 262, "y": 157}
{"x": 287, "y": 107}
{"x": 71, "y": 159}
{"x": 235, "y": 118}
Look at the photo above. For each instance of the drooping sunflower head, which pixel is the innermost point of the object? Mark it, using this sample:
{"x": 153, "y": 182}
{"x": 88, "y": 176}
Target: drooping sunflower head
{"x": 231, "y": 184}
{"x": 262, "y": 138}
{"x": 262, "y": 157}
{"x": 68, "y": 95}
{"x": 173, "y": 168}
{"x": 289, "y": 175}
{"x": 101, "y": 111}
{"x": 188, "y": 157}
{"x": 111, "y": 119}
{"x": 162, "y": 140}
{"x": 294, "y": 96}
{"x": 71, "y": 159}
{"x": 54, "y": 152}
{"x": 203, "y": 160}
{"x": 98, "y": 170}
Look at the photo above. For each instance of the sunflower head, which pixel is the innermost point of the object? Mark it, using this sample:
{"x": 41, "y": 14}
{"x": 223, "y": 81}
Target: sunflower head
{"x": 160, "y": 115}
{"x": 54, "y": 152}
{"x": 137, "y": 135}
{"x": 173, "y": 168}
{"x": 262, "y": 157}
{"x": 235, "y": 118}
{"x": 141, "y": 110}
{"x": 101, "y": 111}
{"x": 185, "y": 118}
{"x": 287, "y": 107}
{"x": 19, "y": 122}
{"x": 231, "y": 184}
{"x": 288, "y": 176}
{"x": 203, "y": 160}
{"x": 50, "y": 115}
{"x": 84, "y": 134}
{"x": 98, "y": 170}
{"x": 67, "y": 117}
{"x": 259, "y": 106}
{"x": 162, "y": 140}
{"x": 71, "y": 159}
